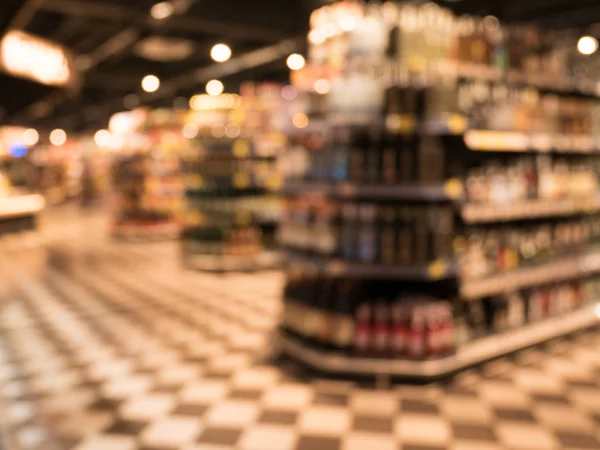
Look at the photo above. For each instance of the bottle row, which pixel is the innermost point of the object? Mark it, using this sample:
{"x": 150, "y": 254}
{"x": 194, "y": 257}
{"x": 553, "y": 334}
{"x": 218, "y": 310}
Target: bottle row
{"x": 417, "y": 234}
{"x": 370, "y": 156}
{"x": 369, "y": 233}
{"x": 498, "y": 314}
{"x": 527, "y": 177}
{"x": 221, "y": 241}
{"x": 343, "y": 315}
{"x": 420, "y": 37}
{"x": 501, "y": 107}
{"x": 484, "y": 251}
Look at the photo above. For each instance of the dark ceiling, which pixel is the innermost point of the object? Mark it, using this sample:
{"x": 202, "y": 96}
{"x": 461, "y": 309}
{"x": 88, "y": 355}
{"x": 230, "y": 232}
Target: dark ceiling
{"x": 103, "y": 35}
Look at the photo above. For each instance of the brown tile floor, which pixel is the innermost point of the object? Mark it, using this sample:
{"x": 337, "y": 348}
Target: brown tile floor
{"x": 112, "y": 346}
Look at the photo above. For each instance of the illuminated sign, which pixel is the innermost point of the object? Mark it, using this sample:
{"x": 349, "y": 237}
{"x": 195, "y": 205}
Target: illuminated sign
{"x": 27, "y": 56}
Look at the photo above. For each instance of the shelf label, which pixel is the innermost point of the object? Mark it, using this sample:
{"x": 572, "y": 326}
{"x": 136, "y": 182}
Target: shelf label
{"x": 241, "y": 148}
{"x": 241, "y": 180}
{"x": 274, "y": 181}
{"x": 457, "y": 124}
{"x": 437, "y": 269}
{"x": 453, "y": 188}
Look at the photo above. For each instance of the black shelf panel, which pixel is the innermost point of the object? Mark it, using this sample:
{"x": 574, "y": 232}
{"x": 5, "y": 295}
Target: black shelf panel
{"x": 450, "y": 190}
{"x": 436, "y": 270}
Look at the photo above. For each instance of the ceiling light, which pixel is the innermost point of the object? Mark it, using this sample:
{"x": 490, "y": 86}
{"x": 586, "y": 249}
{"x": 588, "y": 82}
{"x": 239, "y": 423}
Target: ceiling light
{"x": 150, "y": 83}
{"x": 31, "y": 137}
{"x": 102, "y": 138}
{"x": 587, "y": 45}
{"x": 296, "y": 61}
{"x": 190, "y": 130}
{"x": 321, "y": 86}
{"x": 220, "y": 53}
{"x": 58, "y": 137}
{"x": 164, "y": 49}
{"x": 214, "y": 87}
{"x": 162, "y": 10}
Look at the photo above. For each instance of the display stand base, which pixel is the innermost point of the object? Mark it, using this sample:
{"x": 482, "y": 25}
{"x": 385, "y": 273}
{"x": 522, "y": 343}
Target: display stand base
{"x": 479, "y": 351}
{"x": 221, "y": 264}
{"x": 147, "y": 233}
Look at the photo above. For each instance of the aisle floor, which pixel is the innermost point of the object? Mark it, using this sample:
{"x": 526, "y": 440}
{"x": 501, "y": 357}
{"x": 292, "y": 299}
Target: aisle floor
{"x": 112, "y": 346}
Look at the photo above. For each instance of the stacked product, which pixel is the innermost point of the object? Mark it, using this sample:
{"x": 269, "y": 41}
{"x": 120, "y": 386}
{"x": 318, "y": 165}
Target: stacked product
{"x": 449, "y": 211}
{"x": 150, "y": 196}
{"x": 231, "y": 175}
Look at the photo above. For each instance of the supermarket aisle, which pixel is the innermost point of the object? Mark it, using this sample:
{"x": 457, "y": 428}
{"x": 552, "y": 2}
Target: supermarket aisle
{"x": 111, "y": 346}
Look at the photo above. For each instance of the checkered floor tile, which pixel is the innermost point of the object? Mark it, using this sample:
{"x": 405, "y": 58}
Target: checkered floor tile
{"x": 113, "y": 346}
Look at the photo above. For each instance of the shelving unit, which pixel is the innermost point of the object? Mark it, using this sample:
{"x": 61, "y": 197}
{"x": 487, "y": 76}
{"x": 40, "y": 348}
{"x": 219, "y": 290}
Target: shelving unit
{"x": 471, "y": 354}
{"x": 483, "y": 168}
{"x": 229, "y": 169}
{"x": 150, "y": 197}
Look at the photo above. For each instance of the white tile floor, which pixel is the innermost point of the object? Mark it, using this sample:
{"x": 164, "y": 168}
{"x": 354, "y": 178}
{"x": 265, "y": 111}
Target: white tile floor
{"x": 112, "y": 346}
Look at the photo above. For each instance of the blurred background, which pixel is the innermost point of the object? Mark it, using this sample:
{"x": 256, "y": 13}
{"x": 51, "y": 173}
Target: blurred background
{"x": 300, "y": 225}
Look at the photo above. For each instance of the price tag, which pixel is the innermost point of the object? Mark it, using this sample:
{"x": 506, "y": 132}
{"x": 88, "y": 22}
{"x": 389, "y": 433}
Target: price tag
{"x": 453, "y": 188}
{"x": 241, "y": 180}
{"x": 274, "y": 181}
{"x": 243, "y": 218}
{"x": 457, "y": 124}
{"x": 241, "y": 148}
{"x": 437, "y": 269}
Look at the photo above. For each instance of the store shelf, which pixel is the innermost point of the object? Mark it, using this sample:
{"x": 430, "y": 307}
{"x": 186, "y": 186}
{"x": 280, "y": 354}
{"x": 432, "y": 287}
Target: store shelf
{"x": 226, "y": 263}
{"x": 476, "y": 352}
{"x": 22, "y": 205}
{"x": 563, "y": 269}
{"x": 530, "y": 209}
{"x": 437, "y": 270}
{"x": 388, "y": 71}
{"x": 451, "y": 189}
{"x": 514, "y": 141}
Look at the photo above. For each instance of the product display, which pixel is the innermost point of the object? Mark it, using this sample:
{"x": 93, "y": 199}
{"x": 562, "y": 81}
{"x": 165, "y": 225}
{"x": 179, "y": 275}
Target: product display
{"x": 150, "y": 196}
{"x": 446, "y": 191}
{"x": 230, "y": 173}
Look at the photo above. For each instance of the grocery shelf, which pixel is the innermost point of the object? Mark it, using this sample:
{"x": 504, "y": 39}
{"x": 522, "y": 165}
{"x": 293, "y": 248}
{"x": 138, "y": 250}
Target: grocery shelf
{"x": 470, "y": 354}
{"x": 21, "y": 205}
{"x": 436, "y": 270}
{"x": 390, "y": 71}
{"x": 514, "y": 141}
{"x": 529, "y": 209}
{"x": 227, "y": 263}
{"x": 562, "y": 269}
{"x": 451, "y": 189}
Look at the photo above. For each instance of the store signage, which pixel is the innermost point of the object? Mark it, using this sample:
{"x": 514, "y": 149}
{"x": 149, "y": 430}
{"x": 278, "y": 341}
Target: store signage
{"x": 27, "y": 56}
